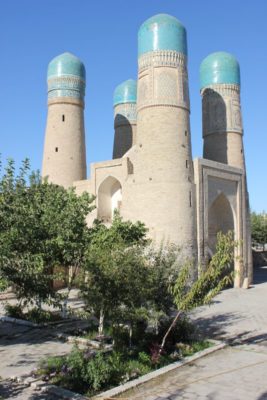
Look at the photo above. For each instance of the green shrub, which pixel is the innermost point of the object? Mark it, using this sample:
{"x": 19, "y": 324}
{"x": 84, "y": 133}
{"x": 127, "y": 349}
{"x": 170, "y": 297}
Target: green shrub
{"x": 14, "y": 311}
{"x": 38, "y": 315}
{"x": 3, "y": 284}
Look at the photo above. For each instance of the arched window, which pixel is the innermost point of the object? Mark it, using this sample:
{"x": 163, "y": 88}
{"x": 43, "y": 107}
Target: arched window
{"x": 109, "y": 198}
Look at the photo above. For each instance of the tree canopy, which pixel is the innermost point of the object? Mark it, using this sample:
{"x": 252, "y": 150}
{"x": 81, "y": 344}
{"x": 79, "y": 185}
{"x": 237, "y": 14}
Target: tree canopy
{"x": 259, "y": 228}
{"x": 41, "y": 225}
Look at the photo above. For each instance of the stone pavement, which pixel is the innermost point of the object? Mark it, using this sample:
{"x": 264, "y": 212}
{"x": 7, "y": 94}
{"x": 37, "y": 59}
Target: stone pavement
{"x": 238, "y": 372}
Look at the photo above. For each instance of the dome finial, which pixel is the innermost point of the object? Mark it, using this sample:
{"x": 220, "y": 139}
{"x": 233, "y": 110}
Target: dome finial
{"x": 219, "y": 68}
{"x": 162, "y": 32}
{"x": 125, "y": 92}
{"x": 66, "y": 64}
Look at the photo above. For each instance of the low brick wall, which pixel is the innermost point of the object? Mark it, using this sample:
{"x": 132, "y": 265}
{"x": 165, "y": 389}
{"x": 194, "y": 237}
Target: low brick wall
{"x": 259, "y": 258}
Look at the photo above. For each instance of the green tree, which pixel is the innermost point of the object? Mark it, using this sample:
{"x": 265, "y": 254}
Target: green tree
{"x": 259, "y": 228}
{"x": 42, "y": 225}
{"x": 218, "y": 275}
{"x": 116, "y": 274}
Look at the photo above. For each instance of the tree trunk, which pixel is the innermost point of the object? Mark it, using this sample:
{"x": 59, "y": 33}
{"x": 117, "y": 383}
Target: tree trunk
{"x": 101, "y": 322}
{"x": 168, "y": 331}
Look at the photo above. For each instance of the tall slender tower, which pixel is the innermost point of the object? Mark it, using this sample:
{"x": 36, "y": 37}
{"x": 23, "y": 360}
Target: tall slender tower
{"x": 124, "y": 102}
{"x": 64, "y": 159}
{"x": 163, "y": 173}
{"x": 223, "y": 128}
{"x": 221, "y": 111}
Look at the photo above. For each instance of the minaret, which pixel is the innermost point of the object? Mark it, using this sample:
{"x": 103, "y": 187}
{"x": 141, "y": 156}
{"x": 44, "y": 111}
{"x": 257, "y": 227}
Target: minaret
{"x": 223, "y": 128}
{"x": 163, "y": 189}
{"x": 64, "y": 159}
{"x": 124, "y": 102}
{"x": 221, "y": 111}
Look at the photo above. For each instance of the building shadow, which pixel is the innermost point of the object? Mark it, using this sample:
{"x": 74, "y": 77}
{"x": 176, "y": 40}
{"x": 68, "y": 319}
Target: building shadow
{"x": 123, "y": 138}
{"x": 214, "y": 121}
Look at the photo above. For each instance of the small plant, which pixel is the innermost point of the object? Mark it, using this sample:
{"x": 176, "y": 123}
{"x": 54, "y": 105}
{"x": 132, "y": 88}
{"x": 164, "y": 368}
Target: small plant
{"x": 3, "y": 284}
{"x": 38, "y": 315}
{"x": 14, "y": 311}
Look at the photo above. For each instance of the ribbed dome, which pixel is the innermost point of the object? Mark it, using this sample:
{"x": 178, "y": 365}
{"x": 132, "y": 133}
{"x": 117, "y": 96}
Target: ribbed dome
{"x": 66, "y": 64}
{"x": 219, "y": 68}
{"x": 162, "y": 32}
{"x": 125, "y": 92}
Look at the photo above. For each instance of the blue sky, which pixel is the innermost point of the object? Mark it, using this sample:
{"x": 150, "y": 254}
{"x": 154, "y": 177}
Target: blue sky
{"x": 103, "y": 34}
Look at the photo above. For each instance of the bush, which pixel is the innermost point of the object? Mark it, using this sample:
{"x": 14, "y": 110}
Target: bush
{"x": 3, "y": 284}
{"x": 38, "y": 315}
{"x": 14, "y": 311}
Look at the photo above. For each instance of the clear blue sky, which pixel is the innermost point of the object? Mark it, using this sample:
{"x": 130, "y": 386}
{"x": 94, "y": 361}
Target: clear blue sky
{"x": 103, "y": 34}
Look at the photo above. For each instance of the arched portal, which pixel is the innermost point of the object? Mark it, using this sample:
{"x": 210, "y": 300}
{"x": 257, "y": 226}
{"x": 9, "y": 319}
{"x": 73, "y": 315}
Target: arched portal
{"x": 221, "y": 219}
{"x": 109, "y": 198}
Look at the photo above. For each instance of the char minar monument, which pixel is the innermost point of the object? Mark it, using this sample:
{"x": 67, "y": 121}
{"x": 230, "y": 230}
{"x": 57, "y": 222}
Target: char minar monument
{"x": 152, "y": 177}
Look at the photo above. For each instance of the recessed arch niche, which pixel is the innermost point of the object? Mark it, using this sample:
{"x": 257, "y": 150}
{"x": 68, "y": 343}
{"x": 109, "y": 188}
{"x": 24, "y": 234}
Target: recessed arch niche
{"x": 109, "y": 198}
{"x": 220, "y": 219}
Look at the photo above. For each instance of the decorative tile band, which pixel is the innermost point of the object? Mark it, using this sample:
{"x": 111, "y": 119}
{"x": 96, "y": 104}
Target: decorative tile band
{"x": 66, "y": 86}
{"x": 162, "y": 58}
{"x": 224, "y": 89}
{"x": 124, "y": 113}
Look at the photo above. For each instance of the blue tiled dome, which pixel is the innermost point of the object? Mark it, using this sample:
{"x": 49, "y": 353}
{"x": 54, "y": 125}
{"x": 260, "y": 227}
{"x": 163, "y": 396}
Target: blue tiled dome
{"x": 219, "y": 67}
{"x": 66, "y": 64}
{"x": 125, "y": 92}
{"x": 162, "y": 32}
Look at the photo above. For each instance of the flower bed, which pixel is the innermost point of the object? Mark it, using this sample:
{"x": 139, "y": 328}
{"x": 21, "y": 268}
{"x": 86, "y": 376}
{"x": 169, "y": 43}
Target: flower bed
{"x": 91, "y": 371}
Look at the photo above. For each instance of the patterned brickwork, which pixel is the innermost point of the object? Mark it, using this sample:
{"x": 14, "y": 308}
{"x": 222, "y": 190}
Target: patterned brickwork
{"x": 163, "y": 80}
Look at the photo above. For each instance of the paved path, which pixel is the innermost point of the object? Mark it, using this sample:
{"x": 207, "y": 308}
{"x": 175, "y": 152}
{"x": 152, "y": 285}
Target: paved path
{"x": 235, "y": 373}
{"x": 238, "y": 372}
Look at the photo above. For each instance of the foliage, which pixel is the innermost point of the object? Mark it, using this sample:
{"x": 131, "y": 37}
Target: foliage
{"x": 217, "y": 275}
{"x": 42, "y": 225}
{"x": 116, "y": 270}
{"x": 259, "y": 228}
{"x": 3, "y": 284}
{"x": 36, "y": 315}
{"x": 14, "y": 311}
{"x": 211, "y": 281}
{"x": 91, "y": 372}
{"x": 121, "y": 263}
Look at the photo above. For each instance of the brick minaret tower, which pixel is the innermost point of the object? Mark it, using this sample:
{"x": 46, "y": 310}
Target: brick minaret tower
{"x": 124, "y": 102}
{"x": 223, "y": 128}
{"x": 64, "y": 159}
{"x": 163, "y": 185}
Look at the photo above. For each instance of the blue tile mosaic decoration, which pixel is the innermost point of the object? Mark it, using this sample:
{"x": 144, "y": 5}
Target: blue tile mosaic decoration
{"x": 126, "y": 92}
{"x": 219, "y": 67}
{"x": 162, "y": 32}
{"x": 66, "y": 77}
{"x": 66, "y": 64}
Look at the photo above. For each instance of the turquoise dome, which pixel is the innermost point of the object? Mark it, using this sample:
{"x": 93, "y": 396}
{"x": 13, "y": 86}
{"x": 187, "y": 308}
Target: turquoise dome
{"x": 162, "y": 32}
{"x": 66, "y": 64}
{"x": 219, "y": 68}
{"x": 125, "y": 92}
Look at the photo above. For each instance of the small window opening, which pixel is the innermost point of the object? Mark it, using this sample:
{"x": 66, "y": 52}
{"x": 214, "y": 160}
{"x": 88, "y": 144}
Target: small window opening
{"x": 185, "y": 133}
{"x": 241, "y": 151}
{"x": 186, "y": 163}
{"x": 63, "y": 118}
{"x": 56, "y": 149}
{"x": 190, "y": 198}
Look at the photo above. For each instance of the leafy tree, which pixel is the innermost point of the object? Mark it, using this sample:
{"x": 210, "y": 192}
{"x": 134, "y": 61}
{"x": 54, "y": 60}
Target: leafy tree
{"x": 117, "y": 276}
{"x": 42, "y": 225}
{"x": 217, "y": 275}
{"x": 259, "y": 228}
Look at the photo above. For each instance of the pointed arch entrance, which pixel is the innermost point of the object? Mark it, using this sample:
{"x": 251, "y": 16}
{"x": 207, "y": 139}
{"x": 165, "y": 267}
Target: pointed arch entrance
{"x": 220, "y": 219}
{"x": 109, "y": 198}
